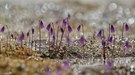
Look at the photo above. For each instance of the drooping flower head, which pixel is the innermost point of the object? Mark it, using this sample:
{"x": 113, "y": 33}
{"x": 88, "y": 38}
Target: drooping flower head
{"x": 32, "y": 30}
{"x": 126, "y": 27}
{"x": 41, "y": 25}
{"x": 69, "y": 28}
{"x": 112, "y": 29}
{"x": 64, "y": 22}
{"x": 82, "y": 41}
{"x": 62, "y": 30}
{"x": 100, "y": 33}
{"x": 21, "y": 37}
{"x": 2, "y": 29}
{"x": 48, "y": 27}
{"x": 79, "y": 27}
{"x": 51, "y": 31}
{"x": 127, "y": 45}
{"x": 110, "y": 39}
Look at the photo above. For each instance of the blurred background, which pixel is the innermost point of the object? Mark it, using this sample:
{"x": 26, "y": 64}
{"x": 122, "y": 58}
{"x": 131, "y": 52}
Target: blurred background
{"x": 18, "y": 14}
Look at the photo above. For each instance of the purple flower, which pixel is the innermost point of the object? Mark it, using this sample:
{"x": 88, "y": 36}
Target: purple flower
{"x": 109, "y": 64}
{"x": 66, "y": 64}
{"x": 127, "y": 45}
{"x": 59, "y": 69}
{"x": 82, "y": 40}
{"x": 32, "y": 30}
{"x": 48, "y": 26}
{"x": 110, "y": 39}
{"x": 112, "y": 29}
{"x": 100, "y": 33}
{"x": 51, "y": 31}
{"x": 21, "y": 37}
{"x": 68, "y": 40}
{"x": 103, "y": 43}
{"x": 47, "y": 71}
{"x": 79, "y": 27}
{"x": 64, "y": 22}
{"x": 62, "y": 30}
{"x": 126, "y": 27}
{"x": 28, "y": 34}
{"x": 2, "y": 29}
{"x": 69, "y": 28}
{"x": 41, "y": 25}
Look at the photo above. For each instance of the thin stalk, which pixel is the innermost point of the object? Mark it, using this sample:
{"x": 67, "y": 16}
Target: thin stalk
{"x": 83, "y": 35}
{"x": 109, "y": 30}
{"x": 104, "y": 54}
{"x": 39, "y": 39}
{"x": 68, "y": 37}
{"x": 8, "y": 36}
{"x": 22, "y": 44}
{"x": 49, "y": 39}
{"x": 57, "y": 35}
{"x": 113, "y": 45}
{"x": 31, "y": 41}
{"x": 53, "y": 33}
{"x": 103, "y": 38}
{"x": 61, "y": 40}
{"x": 122, "y": 32}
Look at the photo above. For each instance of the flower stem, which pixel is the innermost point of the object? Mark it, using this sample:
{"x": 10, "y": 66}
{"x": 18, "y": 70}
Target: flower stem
{"x": 39, "y": 39}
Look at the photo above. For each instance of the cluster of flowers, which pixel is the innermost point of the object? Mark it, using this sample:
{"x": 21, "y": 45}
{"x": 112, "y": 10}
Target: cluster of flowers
{"x": 53, "y": 29}
{"x": 111, "y": 38}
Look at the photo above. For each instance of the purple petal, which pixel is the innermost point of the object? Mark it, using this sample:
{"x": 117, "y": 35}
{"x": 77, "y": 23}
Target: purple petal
{"x": 127, "y": 44}
{"x": 99, "y": 33}
{"x": 21, "y": 37}
{"x": 112, "y": 29}
{"x": 47, "y": 71}
{"x": 2, "y": 29}
{"x": 126, "y": 27}
{"x": 79, "y": 27}
{"x": 103, "y": 44}
{"x": 51, "y": 31}
{"x": 32, "y": 30}
{"x": 48, "y": 27}
{"x": 69, "y": 28}
{"x": 82, "y": 40}
{"x": 109, "y": 64}
{"x": 59, "y": 69}
{"x": 66, "y": 64}
{"x": 41, "y": 25}
{"x": 62, "y": 30}
{"x": 110, "y": 39}
{"x": 64, "y": 22}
